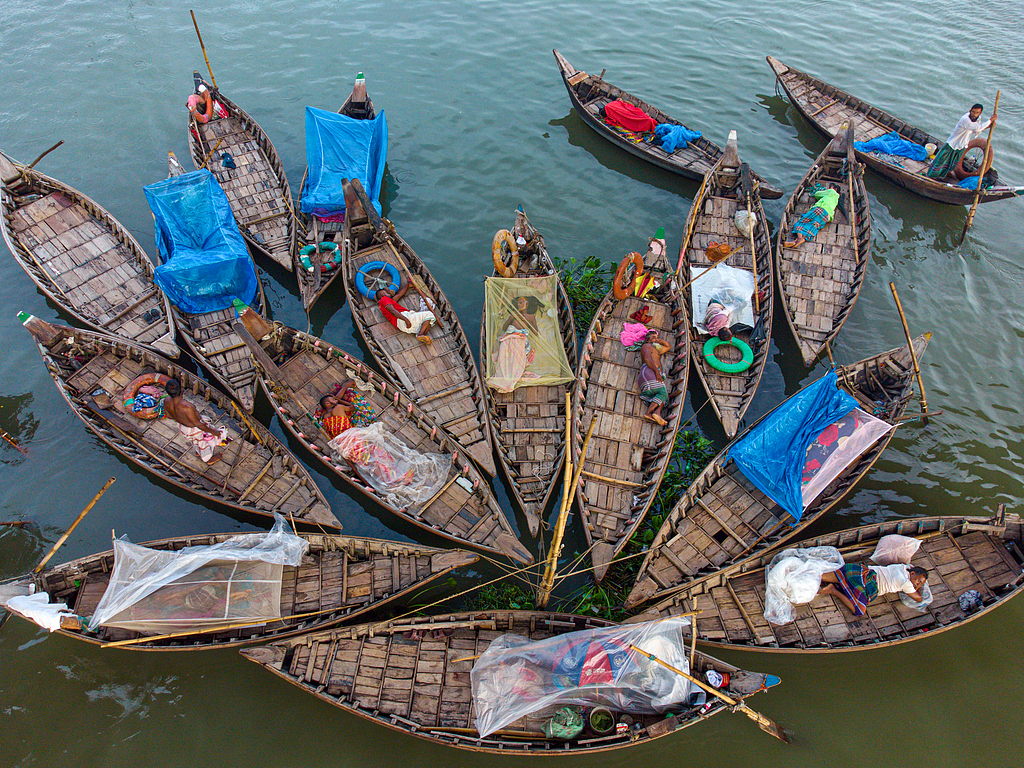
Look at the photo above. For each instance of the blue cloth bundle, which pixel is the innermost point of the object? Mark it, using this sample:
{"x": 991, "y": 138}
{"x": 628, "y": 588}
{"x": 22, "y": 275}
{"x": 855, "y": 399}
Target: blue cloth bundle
{"x": 893, "y": 144}
{"x": 674, "y": 137}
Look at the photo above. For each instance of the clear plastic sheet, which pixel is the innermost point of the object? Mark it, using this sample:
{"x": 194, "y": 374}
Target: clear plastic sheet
{"x": 514, "y": 677}
{"x": 405, "y": 477}
{"x": 238, "y": 580}
{"x": 836, "y": 447}
{"x": 731, "y": 287}
{"x": 793, "y": 577}
{"x": 524, "y": 344}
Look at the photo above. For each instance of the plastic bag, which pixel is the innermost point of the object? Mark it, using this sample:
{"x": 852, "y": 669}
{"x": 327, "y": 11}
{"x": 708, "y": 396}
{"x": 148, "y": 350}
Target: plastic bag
{"x": 793, "y": 577}
{"x": 239, "y": 579}
{"x": 895, "y": 549}
{"x": 514, "y": 677}
{"x": 926, "y": 599}
{"x": 744, "y": 221}
{"x": 565, "y": 724}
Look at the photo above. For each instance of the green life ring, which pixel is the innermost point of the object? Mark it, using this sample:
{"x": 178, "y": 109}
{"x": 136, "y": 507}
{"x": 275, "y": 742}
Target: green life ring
{"x": 714, "y": 343}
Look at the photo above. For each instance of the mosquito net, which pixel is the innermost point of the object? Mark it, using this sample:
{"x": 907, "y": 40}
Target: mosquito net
{"x": 523, "y": 344}
{"x": 236, "y": 581}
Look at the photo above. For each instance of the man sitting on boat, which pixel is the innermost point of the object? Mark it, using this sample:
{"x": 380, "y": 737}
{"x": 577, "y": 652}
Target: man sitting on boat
{"x": 826, "y": 198}
{"x": 964, "y": 137}
{"x": 405, "y": 320}
{"x": 650, "y": 380}
{"x": 203, "y": 437}
{"x": 857, "y": 585}
{"x": 200, "y": 104}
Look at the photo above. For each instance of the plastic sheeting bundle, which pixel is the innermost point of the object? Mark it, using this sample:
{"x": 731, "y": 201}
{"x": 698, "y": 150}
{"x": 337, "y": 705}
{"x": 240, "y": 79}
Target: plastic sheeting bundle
{"x": 596, "y": 667}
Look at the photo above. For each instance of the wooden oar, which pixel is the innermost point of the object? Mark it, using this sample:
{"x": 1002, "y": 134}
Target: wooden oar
{"x": 67, "y": 533}
{"x": 985, "y": 164}
{"x": 32, "y": 165}
{"x": 765, "y": 724}
{"x": 913, "y": 353}
{"x": 10, "y": 440}
{"x": 208, "y": 69}
{"x": 15, "y": 523}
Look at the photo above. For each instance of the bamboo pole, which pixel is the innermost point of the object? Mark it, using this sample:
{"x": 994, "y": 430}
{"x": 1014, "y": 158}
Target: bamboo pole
{"x": 67, "y": 533}
{"x": 548, "y": 579}
{"x": 913, "y": 353}
{"x": 10, "y": 440}
{"x": 986, "y": 162}
{"x": 750, "y": 220}
{"x": 15, "y": 523}
{"x": 208, "y": 68}
{"x": 32, "y": 165}
{"x": 765, "y": 724}
{"x": 210, "y": 153}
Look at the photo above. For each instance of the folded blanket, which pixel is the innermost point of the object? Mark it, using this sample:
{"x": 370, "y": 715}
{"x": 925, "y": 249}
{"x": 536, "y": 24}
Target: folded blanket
{"x": 633, "y": 335}
{"x": 675, "y": 137}
{"x": 893, "y": 144}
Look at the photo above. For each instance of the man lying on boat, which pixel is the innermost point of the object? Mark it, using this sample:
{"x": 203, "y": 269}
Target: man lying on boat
{"x": 650, "y": 380}
{"x": 203, "y": 437}
{"x": 402, "y": 476}
{"x": 418, "y": 322}
{"x": 948, "y": 160}
{"x": 857, "y": 585}
{"x": 826, "y": 199}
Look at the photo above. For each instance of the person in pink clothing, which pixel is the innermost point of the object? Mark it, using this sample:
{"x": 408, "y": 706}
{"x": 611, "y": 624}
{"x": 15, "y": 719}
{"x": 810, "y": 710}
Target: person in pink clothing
{"x": 200, "y": 104}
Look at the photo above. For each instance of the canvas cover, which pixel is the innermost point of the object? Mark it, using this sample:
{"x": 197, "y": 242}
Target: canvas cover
{"x": 773, "y": 454}
{"x": 340, "y": 147}
{"x": 204, "y": 264}
{"x": 236, "y": 581}
{"x": 596, "y": 667}
{"x": 523, "y": 348}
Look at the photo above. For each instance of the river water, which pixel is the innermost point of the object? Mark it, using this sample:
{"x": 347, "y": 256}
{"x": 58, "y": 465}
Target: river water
{"x": 479, "y": 122}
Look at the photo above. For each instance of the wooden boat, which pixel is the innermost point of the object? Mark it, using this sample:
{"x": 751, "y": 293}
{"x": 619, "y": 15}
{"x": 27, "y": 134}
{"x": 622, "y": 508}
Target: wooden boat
{"x": 257, "y": 474}
{"x": 442, "y": 377}
{"x": 339, "y": 579}
{"x": 960, "y": 553}
{"x": 211, "y": 340}
{"x": 312, "y": 285}
{"x": 726, "y": 190}
{"x": 827, "y": 108}
{"x": 419, "y": 683}
{"x": 590, "y": 93}
{"x": 257, "y": 187}
{"x": 299, "y": 369}
{"x": 627, "y": 454}
{"x": 722, "y": 519}
{"x": 529, "y": 423}
{"x": 819, "y": 281}
{"x": 81, "y": 257}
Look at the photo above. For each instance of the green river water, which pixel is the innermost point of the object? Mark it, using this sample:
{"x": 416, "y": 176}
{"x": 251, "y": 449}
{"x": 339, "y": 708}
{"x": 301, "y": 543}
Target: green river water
{"x": 479, "y": 122}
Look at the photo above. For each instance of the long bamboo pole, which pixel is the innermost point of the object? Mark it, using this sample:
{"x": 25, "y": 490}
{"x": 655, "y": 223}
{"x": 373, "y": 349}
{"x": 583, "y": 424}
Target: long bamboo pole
{"x": 986, "y": 162}
{"x": 913, "y": 353}
{"x": 764, "y": 723}
{"x": 67, "y": 533}
{"x": 10, "y": 440}
{"x": 208, "y": 68}
{"x": 548, "y": 579}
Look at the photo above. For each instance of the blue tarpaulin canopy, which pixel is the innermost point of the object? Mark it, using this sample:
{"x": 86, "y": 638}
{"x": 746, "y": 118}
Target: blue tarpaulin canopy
{"x": 773, "y": 453}
{"x": 340, "y": 147}
{"x": 204, "y": 264}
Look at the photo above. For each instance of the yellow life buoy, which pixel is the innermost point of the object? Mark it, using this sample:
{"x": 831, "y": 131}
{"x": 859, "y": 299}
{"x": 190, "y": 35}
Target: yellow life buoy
{"x": 622, "y": 291}
{"x": 503, "y": 236}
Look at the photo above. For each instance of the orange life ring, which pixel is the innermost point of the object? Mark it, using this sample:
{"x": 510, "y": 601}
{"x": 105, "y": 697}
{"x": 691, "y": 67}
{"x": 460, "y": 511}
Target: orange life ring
{"x": 133, "y": 389}
{"x": 622, "y": 291}
{"x": 503, "y": 236}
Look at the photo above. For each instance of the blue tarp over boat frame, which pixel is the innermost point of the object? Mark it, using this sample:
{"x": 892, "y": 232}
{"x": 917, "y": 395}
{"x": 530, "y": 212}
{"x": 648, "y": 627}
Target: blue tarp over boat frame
{"x": 340, "y": 147}
{"x": 204, "y": 263}
{"x": 773, "y": 453}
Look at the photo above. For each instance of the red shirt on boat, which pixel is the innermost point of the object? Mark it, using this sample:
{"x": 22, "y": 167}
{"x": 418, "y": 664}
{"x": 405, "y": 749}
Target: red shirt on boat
{"x": 385, "y": 303}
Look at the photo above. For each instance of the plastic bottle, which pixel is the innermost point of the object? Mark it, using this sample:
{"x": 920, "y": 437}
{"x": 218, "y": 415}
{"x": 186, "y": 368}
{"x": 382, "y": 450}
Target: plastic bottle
{"x": 359, "y": 89}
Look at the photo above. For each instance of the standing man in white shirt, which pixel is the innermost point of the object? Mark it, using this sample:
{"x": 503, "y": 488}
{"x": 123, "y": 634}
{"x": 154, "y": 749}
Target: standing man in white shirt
{"x": 964, "y": 137}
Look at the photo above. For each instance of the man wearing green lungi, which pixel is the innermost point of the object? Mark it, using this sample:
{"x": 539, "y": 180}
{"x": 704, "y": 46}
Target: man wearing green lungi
{"x": 960, "y": 140}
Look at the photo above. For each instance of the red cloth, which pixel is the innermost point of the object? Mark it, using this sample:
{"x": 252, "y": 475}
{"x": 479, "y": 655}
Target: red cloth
{"x": 630, "y": 117}
{"x": 384, "y": 302}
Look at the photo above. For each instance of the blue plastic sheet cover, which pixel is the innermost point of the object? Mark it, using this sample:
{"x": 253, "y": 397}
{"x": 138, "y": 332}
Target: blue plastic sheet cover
{"x": 204, "y": 264}
{"x": 340, "y": 147}
{"x": 893, "y": 144}
{"x": 773, "y": 453}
